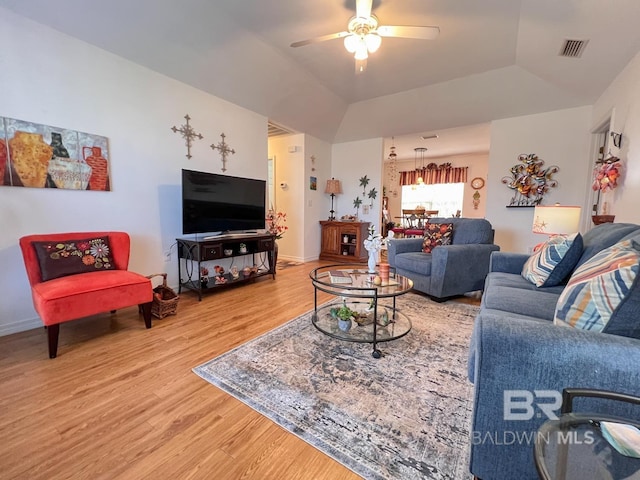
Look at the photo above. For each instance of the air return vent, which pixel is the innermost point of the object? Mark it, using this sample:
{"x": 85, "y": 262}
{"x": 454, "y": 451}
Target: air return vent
{"x": 573, "y": 48}
{"x": 275, "y": 130}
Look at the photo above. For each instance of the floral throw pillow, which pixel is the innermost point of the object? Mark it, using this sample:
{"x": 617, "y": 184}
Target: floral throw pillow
{"x": 436, "y": 234}
{"x": 59, "y": 259}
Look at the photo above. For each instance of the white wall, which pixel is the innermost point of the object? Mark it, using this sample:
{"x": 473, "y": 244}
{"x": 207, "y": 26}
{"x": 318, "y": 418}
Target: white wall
{"x": 559, "y": 138}
{"x": 316, "y": 203}
{"x": 289, "y": 170}
{"x": 351, "y": 161}
{"x": 303, "y": 206}
{"x": 56, "y": 80}
{"x": 621, "y": 102}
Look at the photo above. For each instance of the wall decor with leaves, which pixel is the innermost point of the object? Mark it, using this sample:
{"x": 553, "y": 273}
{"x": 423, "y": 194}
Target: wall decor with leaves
{"x": 529, "y": 181}
{"x": 373, "y": 193}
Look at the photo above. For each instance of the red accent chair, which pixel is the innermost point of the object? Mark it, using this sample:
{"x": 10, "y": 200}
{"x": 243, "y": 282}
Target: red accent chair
{"x": 79, "y": 295}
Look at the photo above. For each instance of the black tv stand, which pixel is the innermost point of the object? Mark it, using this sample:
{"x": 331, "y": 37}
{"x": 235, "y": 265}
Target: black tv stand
{"x": 194, "y": 254}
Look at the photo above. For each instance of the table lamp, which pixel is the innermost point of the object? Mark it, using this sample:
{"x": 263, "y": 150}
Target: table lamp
{"x": 556, "y": 220}
{"x": 333, "y": 188}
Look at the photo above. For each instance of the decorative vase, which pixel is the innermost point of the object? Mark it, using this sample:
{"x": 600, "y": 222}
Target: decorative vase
{"x": 384, "y": 273}
{"x": 99, "y": 168}
{"x": 69, "y": 174}
{"x": 204, "y": 281}
{"x": 3, "y": 160}
{"x": 59, "y": 150}
{"x": 30, "y": 156}
{"x": 344, "y": 325}
{"x": 373, "y": 259}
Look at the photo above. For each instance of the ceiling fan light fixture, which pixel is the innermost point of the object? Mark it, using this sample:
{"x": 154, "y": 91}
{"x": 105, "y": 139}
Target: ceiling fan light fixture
{"x": 351, "y": 43}
{"x": 361, "y": 51}
{"x": 373, "y": 41}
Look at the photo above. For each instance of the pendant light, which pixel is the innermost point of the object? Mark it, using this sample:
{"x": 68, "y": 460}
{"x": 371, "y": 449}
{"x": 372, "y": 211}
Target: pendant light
{"x": 420, "y": 153}
{"x": 392, "y": 150}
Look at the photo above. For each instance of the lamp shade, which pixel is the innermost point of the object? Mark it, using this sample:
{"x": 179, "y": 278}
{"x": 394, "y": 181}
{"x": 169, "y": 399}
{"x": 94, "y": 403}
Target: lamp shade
{"x": 351, "y": 43}
{"x": 556, "y": 220}
{"x": 333, "y": 187}
{"x": 373, "y": 41}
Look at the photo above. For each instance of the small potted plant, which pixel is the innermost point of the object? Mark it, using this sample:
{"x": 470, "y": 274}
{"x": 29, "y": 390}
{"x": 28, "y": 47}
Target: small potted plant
{"x": 344, "y": 315}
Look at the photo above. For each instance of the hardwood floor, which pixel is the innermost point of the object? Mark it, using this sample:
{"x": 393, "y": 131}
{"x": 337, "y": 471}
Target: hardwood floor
{"x": 121, "y": 402}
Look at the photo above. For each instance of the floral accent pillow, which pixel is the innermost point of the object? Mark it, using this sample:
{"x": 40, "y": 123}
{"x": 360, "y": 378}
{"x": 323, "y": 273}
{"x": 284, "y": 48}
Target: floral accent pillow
{"x": 59, "y": 259}
{"x": 436, "y": 234}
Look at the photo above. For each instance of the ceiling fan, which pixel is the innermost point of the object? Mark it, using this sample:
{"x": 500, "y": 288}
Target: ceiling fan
{"x": 364, "y": 35}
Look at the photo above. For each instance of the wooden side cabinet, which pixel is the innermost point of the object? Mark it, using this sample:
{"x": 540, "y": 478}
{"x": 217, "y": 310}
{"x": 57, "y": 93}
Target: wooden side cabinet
{"x": 343, "y": 241}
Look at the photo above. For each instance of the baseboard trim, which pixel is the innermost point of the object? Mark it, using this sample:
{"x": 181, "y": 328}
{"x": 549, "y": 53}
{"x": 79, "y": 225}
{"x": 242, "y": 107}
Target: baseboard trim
{"x": 19, "y": 326}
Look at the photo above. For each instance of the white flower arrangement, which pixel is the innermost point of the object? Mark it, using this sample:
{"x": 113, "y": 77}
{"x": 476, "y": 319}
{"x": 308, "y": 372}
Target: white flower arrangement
{"x": 374, "y": 241}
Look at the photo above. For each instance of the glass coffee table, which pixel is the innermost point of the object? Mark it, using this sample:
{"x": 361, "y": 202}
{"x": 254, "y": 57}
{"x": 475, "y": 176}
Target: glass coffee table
{"x": 576, "y": 447}
{"x": 376, "y": 321}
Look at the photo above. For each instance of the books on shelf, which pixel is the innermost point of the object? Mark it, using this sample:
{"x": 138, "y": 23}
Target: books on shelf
{"x": 339, "y": 276}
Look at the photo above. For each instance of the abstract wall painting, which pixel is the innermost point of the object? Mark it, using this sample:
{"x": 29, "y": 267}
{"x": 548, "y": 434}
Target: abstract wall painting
{"x": 42, "y": 156}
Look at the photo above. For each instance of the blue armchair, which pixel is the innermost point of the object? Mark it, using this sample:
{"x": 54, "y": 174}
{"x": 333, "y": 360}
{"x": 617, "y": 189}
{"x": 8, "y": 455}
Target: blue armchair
{"x": 449, "y": 270}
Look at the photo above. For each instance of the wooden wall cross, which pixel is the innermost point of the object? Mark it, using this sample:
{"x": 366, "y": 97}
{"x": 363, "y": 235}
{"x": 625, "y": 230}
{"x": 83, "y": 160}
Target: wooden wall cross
{"x": 188, "y": 133}
{"x": 224, "y": 150}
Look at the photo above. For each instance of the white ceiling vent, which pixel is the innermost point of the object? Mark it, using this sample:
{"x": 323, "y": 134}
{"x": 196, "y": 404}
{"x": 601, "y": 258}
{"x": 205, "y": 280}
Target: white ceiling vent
{"x": 275, "y": 130}
{"x": 573, "y": 48}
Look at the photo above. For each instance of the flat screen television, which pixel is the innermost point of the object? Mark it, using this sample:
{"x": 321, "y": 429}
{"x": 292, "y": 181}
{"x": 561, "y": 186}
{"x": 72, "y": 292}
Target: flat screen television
{"x": 213, "y": 203}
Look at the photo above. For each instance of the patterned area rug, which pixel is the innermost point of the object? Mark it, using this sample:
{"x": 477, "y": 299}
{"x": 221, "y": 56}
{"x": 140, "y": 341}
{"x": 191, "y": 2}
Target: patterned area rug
{"x": 403, "y": 416}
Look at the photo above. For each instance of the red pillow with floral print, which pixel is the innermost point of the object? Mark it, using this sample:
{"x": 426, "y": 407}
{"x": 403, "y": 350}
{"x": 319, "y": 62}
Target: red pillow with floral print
{"x": 436, "y": 234}
{"x": 59, "y": 259}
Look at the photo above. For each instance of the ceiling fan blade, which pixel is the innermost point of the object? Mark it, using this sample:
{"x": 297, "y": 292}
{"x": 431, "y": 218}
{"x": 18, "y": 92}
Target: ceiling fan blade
{"x": 363, "y": 8}
{"x": 322, "y": 38}
{"x": 361, "y": 66}
{"x": 423, "y": 33}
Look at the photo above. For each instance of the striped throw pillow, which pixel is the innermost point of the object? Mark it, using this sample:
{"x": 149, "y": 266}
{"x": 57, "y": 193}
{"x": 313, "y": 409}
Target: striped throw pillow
{"x": 554, "y": 261}
{"x": 598, "y": 287}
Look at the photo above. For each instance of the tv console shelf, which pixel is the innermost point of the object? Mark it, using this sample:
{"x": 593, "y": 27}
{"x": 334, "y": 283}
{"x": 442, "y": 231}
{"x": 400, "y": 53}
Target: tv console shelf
{"x": 193, "y": 254}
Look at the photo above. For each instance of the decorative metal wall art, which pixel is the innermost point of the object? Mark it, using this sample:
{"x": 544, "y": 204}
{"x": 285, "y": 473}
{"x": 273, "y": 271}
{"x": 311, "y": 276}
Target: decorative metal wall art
{"x": 188, "y": 133}
{"x": 41, "y": 156}
{"x": 224, "y": 150}
{"x": 529, "y": 181}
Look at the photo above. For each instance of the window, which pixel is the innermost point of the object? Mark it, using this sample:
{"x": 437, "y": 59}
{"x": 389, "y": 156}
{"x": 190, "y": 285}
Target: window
{"x": 444, "y": 197}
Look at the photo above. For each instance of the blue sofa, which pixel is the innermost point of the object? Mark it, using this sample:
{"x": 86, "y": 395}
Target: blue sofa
{"x": 516, "y": 347}
{"x": 449, "y": 270}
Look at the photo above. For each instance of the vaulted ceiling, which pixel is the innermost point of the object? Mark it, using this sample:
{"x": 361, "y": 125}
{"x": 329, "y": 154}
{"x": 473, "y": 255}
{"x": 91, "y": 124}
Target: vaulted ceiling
{"x": 493, "y": 58}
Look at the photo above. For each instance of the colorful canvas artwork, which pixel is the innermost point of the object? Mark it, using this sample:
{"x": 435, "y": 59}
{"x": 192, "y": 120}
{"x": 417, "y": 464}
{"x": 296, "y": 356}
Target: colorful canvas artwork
{"x": 41, "y": 156}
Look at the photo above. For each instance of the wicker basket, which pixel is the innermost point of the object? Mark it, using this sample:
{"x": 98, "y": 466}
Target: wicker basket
{"x": 165, "y": 300}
